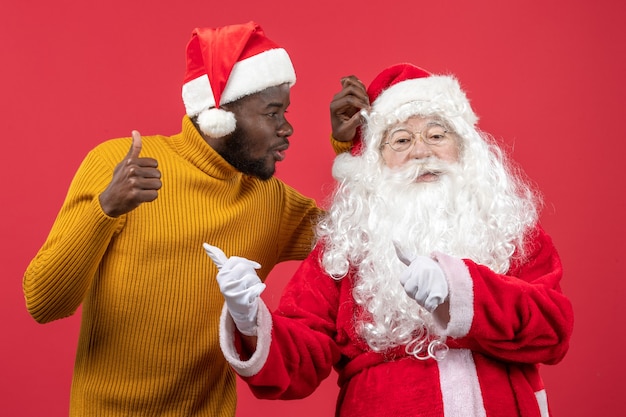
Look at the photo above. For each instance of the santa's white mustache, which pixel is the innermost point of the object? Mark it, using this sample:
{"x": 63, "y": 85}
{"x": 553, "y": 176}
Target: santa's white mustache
{"x": 413, "y": 169}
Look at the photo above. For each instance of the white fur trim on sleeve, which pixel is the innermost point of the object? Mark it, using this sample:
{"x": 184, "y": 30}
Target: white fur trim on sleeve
{"x": 264, "y": 337}
{"x": 461, "y": 293}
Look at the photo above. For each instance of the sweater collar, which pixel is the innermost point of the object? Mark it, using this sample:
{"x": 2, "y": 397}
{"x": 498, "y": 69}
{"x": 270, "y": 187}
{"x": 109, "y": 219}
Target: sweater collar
{"x": 192, "y": 146}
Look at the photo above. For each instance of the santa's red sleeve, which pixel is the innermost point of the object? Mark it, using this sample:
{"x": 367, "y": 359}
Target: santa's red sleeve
{"x": 521, "y": 316}
{"x": 295, "y": 346}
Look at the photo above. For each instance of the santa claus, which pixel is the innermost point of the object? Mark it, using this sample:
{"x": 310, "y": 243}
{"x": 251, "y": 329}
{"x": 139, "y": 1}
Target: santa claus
{"x": 432, "y": 290}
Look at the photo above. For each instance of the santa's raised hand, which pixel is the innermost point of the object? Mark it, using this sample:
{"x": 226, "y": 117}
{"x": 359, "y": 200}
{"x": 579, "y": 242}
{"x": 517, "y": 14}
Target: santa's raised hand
{"x": 423, "y": 280}
{"x": 240, "y": 286}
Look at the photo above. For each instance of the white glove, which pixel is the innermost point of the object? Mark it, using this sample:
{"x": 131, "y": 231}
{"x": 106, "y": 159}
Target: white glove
{"x": 423, "y": 280}
{"x": 240, "y": 286}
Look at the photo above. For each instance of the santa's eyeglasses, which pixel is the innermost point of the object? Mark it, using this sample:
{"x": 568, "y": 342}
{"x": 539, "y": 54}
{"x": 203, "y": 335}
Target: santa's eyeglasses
{"x": 400, "y": 139}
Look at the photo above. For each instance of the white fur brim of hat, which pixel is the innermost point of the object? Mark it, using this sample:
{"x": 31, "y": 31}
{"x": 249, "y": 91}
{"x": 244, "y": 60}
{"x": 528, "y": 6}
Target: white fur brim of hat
{"x": 251, "y": 75}
{"x": 437, "y": 94}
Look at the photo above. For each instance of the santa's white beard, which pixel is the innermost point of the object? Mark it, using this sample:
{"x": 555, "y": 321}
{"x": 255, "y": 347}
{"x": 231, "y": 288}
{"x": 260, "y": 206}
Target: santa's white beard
{"x": 451, "y": 215}
{"x": 420, "y": 216}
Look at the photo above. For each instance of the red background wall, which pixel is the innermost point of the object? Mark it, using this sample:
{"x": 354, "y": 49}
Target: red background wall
{"x": 546, "y": 77}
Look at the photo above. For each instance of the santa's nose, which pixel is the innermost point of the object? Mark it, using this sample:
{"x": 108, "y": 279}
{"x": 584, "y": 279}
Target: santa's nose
{"x": 420, "y": 150}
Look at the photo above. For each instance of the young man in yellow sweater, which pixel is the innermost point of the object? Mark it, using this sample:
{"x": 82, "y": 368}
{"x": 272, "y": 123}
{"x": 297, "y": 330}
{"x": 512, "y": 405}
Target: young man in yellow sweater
{"x": 127, "y": 242}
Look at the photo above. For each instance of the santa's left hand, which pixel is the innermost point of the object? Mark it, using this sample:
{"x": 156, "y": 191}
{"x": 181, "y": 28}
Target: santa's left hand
{"x": 423, "y": 280}
{"x": 241, "y": 287}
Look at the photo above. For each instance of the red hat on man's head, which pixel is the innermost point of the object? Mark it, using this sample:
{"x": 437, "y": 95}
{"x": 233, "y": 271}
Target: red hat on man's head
{"x": 405, "y": 89}
{"x": 225, "y": 64}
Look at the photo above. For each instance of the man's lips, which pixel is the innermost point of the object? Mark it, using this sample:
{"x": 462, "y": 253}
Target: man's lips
{"x": 279, "y": 152}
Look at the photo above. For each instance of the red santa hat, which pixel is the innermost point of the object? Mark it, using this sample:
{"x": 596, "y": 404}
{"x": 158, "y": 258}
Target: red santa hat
{"x": 225, "y": 64}
{"x": 403, "y": 90}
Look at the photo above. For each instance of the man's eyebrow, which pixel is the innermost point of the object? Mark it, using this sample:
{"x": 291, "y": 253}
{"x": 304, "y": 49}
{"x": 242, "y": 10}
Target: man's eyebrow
{"x": 276, "y": 105}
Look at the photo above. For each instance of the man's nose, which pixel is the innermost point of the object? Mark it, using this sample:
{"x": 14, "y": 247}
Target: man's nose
{"x": 285, "y": 129}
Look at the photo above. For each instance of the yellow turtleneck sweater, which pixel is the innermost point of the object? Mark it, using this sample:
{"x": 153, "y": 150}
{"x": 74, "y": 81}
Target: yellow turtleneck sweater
{"x": 149, "y": 333}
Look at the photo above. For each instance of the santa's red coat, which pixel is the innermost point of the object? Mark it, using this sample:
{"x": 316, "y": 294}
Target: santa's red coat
{"x": 501, "y": 328}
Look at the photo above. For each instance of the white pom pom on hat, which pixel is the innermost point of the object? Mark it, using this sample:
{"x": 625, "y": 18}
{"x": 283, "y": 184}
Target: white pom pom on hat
{"x": 225, "y": 64}
{"x": 216, "y": 122}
